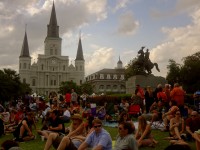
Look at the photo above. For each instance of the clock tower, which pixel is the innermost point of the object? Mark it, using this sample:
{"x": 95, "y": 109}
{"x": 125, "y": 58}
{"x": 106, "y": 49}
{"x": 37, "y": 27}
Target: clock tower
{"x": 52, "y": 43}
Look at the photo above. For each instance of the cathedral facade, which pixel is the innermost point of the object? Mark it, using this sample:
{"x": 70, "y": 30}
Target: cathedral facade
{"x": 51, "y": 68}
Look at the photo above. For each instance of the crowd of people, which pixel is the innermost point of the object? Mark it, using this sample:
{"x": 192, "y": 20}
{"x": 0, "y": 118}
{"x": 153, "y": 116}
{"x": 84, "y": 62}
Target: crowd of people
{"x": 86, "y": 129}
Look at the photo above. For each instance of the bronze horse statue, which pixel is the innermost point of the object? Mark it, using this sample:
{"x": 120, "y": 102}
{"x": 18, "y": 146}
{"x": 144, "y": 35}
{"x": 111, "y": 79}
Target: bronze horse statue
{"x": 144, "y": 63}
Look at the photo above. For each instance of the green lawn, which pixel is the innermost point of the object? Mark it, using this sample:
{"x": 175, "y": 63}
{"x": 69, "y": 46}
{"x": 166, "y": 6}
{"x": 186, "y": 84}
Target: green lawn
{"x": 38, "y": 144}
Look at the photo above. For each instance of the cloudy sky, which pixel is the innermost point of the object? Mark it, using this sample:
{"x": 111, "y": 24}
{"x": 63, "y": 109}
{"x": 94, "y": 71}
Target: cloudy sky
{"x": 170, "y": 29}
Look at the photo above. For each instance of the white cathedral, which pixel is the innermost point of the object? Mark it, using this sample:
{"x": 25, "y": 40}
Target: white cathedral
{"x": 45, "y": 75}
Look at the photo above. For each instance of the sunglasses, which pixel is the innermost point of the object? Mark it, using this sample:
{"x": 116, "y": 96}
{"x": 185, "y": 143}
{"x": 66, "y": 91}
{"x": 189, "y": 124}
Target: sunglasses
{"x": 98, "y": 126}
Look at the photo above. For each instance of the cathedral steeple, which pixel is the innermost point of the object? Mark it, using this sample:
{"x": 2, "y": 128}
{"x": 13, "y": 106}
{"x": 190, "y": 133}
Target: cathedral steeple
{"x": 79, "y": 55}
{"x": 25, "y": 47}
{"x": 53, "y": 28}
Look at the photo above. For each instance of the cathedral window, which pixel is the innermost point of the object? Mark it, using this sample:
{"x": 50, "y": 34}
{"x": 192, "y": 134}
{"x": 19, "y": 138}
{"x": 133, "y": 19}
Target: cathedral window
{"x": 51, "y": 51}
{"x": 42, "y": 67}
{"x": 24, "y": 65}
{"x": 51, "y": 83}
{"x": 33, "y": 82}
{"x": 101, "y": 76}
{"x": 54, "y": 82}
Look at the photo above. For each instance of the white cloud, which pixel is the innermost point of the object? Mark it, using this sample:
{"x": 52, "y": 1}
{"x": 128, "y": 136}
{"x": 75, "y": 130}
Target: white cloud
{"x": 71, "y": 14}
{"x": 100, "y": 59}
{"x": 181, "y": 42}
{"x": 127, "y": 24}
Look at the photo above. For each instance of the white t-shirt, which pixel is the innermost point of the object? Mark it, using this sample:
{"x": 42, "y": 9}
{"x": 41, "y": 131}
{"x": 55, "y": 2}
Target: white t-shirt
{"x": 67, "y": 113}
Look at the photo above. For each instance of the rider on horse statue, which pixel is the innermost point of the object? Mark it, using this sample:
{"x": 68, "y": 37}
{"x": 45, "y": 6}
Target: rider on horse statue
{"x": 144, "y": 62}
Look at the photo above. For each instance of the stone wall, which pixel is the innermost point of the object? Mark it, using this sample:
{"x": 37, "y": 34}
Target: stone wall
{"x": 143, "y": 81}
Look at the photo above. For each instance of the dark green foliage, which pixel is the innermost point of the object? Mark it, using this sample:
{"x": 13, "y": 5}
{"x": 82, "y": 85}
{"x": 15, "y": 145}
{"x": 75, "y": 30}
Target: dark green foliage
{"x": 11, "y": 86}
{"x": 173, "y": 74}
{"x": 86, "y": 88}
{"x": 187, "y": 74}
{"x": 66, "y": 87}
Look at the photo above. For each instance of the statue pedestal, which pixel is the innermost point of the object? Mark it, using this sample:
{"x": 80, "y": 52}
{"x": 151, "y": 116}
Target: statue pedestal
{"x": 143, "y": 81}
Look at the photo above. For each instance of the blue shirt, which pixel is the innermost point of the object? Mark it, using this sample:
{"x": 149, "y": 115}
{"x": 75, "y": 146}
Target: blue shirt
{"x": 103, "y": 138}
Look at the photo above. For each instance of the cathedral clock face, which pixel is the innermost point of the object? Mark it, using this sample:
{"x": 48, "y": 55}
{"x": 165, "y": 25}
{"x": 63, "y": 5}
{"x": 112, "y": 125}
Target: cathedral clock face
{"x": 53, "y": 61}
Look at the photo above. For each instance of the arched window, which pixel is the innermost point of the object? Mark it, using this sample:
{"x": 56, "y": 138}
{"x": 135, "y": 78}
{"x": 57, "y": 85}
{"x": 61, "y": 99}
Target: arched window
{"x": 24, "y": 65}
{"x": 33, "y": 82}
{"x": 42, "y": 67}
{"x": 81, "y": 68}
{"x": 64, "y": 68}
{"x": 51, "y": 51}
{"x": 24, "y": 80}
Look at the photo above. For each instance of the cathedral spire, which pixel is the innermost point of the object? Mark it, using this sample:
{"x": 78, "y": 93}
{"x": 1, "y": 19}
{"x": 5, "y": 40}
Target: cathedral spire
{"x": 52, "y": 27}
{"x": 79, "y": 55}
{"x": 25, "y": 47}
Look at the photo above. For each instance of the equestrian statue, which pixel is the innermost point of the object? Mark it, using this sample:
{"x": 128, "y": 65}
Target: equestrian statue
{"x": 143, "y": 64}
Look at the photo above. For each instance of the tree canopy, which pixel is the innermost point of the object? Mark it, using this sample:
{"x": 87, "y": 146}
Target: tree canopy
{"x": 187, "y": 74}
{"x": 11, "y": 86}
{"x": 68, "y": 85}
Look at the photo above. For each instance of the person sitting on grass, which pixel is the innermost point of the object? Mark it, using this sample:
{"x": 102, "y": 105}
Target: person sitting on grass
{"x": 125, "y": 139}
{"x": 124, "y": 117}
{"x": 55, "y": 125}
{"x": 192, "y": 124}
{"x": 155, "y": 112}
{"x": 66, "y": 114}
{"x": 23, "y": 132}
{"x": 98, "y": 139}
{"x": 72, "y": 140}
{"x": 10, "y": 145}
{"x": 143, "y": 134}
{"x": 177, "y": 126}
{"x": 170, "y": 114}
{"x": 196, "y": 136}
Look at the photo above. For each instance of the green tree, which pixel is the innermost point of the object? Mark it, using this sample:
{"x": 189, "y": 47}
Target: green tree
{"x": 190, "y": 72}
{"x": 11, "y": 86}
{"x": 86, "y": 88}
{"x": 173, "y": 74}
{"x": 67, "y": 86}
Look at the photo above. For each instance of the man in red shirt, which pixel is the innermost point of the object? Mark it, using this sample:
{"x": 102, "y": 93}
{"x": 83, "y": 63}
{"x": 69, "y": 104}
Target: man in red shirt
{"x": 177, "y": 94}
{"x": 140, "y": 90}
{"x": 68, "y": 98}
{"x": 192, "y": 124}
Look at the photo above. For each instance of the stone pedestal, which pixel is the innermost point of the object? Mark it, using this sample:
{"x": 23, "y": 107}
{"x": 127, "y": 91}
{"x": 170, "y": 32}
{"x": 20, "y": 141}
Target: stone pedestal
{"x": 143, "y": 81}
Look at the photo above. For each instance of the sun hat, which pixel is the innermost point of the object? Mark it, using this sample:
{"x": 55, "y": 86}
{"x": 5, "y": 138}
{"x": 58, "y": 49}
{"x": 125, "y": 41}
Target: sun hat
{"x": 77, "y": 116}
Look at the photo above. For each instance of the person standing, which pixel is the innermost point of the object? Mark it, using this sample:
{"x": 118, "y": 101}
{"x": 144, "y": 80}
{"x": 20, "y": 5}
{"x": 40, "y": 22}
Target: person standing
{"x": 177, "y": 94}
{"x": 68, "y": 98}
{"x": 98, "y": 139}
{"x": 148, "y": 98}
{"x": 74, "y": 97}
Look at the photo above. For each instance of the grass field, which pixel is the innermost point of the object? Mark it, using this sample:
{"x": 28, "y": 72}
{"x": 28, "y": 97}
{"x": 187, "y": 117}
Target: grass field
{"x": 38, "y": 144}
